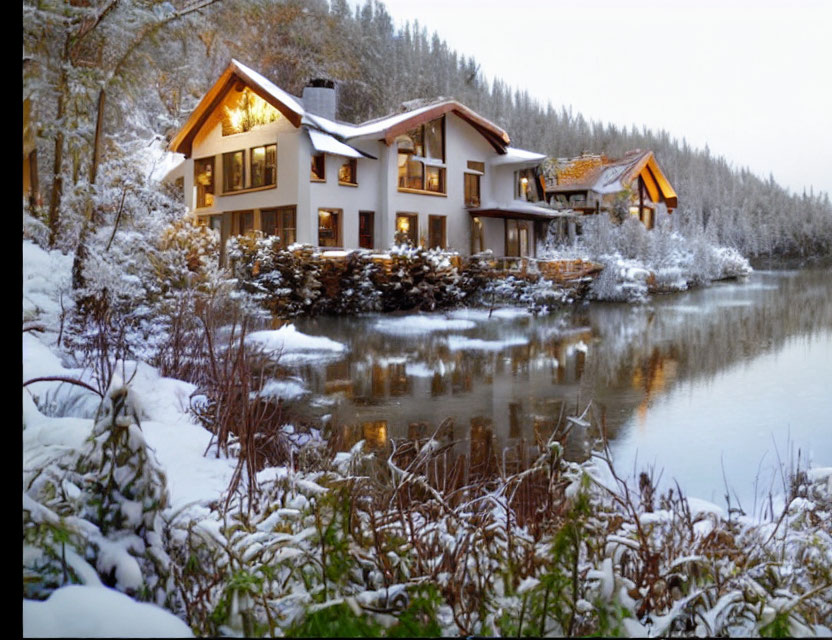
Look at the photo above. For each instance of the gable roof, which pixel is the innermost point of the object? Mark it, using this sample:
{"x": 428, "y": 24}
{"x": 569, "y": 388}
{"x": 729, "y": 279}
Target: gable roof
{"x": 386, "y": 128}
{"x": 287, "y": 104}
{"x": 603, "y": 175}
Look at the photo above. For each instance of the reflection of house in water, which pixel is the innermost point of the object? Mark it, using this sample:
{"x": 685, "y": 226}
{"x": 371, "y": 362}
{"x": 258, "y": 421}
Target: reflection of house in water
{"x": 652, "y": 377}
{"x": 508, "y": 393}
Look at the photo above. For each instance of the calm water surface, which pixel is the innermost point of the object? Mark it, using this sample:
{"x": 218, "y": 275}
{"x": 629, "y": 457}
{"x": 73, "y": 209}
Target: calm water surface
{"x": 704, "y": 387}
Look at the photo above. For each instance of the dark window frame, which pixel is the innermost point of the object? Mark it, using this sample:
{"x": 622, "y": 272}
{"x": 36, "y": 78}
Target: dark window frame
{"x": 444, "y": 221}
{"x": 371, "y": 234}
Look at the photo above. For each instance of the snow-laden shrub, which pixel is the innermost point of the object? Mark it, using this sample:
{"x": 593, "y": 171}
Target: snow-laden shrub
{"x": 286, "y": 282}
{"x": 96, "y": 514}
{"x": 638, "y": 261}
{"x": 621, "y": 280}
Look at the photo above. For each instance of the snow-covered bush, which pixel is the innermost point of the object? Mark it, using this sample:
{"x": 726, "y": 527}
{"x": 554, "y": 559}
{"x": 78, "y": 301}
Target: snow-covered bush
{"x": 638, "y": 261}
{"x": 96, "y": 514}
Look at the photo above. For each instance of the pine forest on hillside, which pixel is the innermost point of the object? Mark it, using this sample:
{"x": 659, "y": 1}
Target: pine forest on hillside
{"x": 152, "y": 62}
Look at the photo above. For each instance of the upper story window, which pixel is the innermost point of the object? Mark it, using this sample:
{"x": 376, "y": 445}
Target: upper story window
{"x": 347, "y": 174}
{"x": 233, "y": 171}
{"x": 264, "y": 166}
{"x": 204, "y": 181}
{"x": 245, "y": 110}
{"x": 318, "y": 172}
{"x": 473, "y": 174}
{"x": 525, "y": 185}
{"x": 421, "y": 157}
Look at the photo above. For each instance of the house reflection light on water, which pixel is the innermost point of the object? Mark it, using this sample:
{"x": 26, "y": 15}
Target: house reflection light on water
{"x": 509, "y": 380}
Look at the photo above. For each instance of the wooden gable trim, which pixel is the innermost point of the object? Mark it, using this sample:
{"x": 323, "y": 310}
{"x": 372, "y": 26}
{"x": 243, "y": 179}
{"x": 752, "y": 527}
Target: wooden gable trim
{"x": 668, "y": 193}
{"x": 182, "y": 142}
{"x": 496, "y": 137}
{"x": 652, "y": 189}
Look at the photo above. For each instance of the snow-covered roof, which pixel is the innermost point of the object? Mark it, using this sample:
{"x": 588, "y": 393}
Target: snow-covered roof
{"x": 514, "y": 155}
{"x": 325, "y": 143}
{"x": 519, "y": 209}
{"x": 386, "y": 128}
{"x": 293, "y": 103}
{"x": 595, "y": 172}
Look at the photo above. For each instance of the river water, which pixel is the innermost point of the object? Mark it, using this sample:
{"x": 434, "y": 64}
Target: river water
{"x": 709, "y": 388}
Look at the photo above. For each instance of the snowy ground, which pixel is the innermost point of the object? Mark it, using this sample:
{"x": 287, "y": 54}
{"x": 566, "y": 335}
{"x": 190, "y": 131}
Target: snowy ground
{"x": 58, "y": 420}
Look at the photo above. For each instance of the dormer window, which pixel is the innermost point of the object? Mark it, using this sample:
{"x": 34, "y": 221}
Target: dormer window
{"x": 421, "y": 158}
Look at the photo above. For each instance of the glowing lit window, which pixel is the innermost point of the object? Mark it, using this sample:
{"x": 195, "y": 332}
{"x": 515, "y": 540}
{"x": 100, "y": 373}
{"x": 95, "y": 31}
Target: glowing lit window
{"x": 204, "y": 181}
{"x": 407, "y": 228}
{"x": 347, "y": 172}
{"x": 245, "y": 111}
{"x": 264, "y": 166}
{"x": 421, "y": 152}
{"x": 329, "y": 227}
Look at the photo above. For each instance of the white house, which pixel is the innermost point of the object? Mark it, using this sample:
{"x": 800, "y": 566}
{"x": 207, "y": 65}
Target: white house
{"x": 442, "y": 175}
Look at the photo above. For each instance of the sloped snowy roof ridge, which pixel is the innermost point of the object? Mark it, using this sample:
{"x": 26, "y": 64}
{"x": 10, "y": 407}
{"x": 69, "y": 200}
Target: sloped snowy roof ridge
{"x": 292, "y": 102}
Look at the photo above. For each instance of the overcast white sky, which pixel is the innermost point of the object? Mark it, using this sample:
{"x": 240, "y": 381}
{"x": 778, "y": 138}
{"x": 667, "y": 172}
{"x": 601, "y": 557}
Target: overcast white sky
{"x": 752, "y": 80}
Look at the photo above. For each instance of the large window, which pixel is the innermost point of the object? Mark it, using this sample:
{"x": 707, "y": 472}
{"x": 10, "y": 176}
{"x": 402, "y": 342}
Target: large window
{"x": 264, "y": 166}
{"x": 436, "y": 232}
{"x": 318, "y": 169}
{"x": 280, "y": 222}
{"x": 407, "y": 228}
{"x": 366, "y": 224}
{"x": 329, "y": 227}
{"x": 233, "y": 171}
{"x": 347, "y": 174}
{"x": 421, "y": 157}
{"x": 204, "y": 181}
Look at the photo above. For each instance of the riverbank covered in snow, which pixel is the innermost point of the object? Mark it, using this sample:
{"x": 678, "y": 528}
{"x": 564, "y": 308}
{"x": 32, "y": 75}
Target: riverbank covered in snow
{"x": 125, "y": 490}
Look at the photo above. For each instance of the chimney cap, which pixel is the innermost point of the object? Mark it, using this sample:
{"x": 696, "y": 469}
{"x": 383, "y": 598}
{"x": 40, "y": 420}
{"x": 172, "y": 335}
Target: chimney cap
{"x": 323, "y": 83}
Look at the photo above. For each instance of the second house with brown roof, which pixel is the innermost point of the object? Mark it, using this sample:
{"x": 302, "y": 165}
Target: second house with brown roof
{"x": 633, "y": 185}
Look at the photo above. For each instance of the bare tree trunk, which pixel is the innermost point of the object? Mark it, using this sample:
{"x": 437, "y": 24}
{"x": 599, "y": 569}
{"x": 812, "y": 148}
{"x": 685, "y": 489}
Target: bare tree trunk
{"x": 34, "y": 186}
{"x": 81, "y": 252}
{"x": 57, "y": 167}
